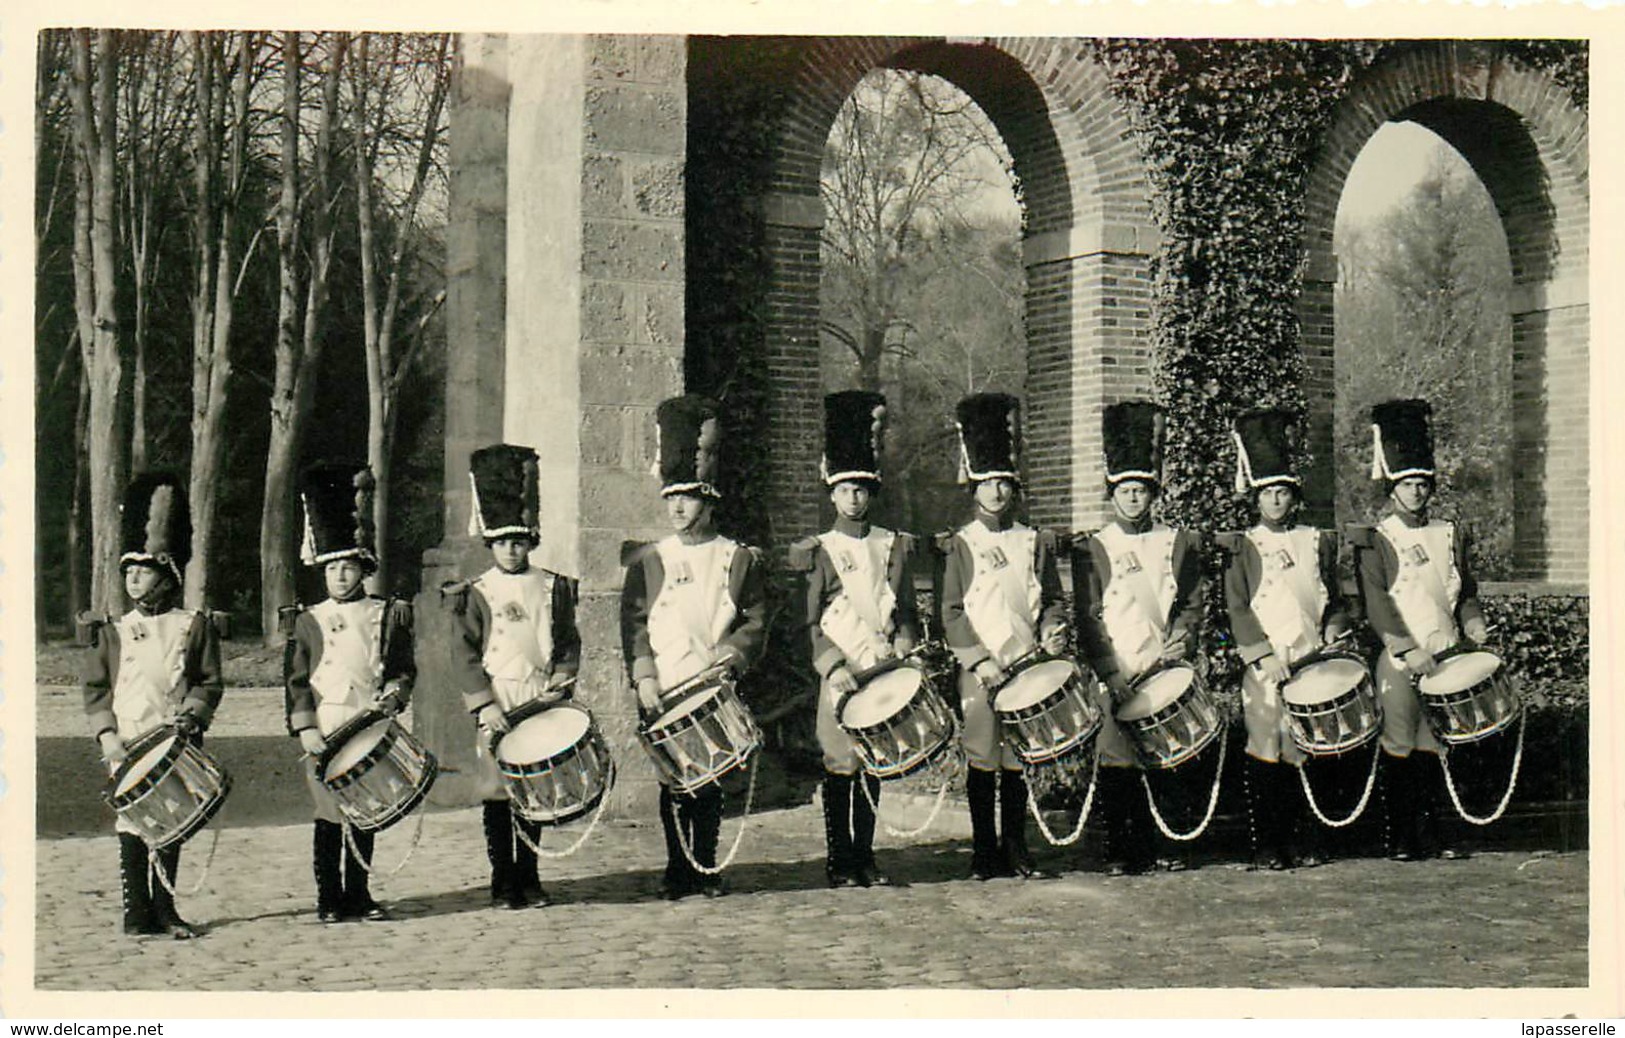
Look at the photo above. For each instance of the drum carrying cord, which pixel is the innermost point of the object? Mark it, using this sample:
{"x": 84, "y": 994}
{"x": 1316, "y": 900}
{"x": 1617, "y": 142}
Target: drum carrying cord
{"x": 592, "y": 823}
{"x": 1212, "y": 801}
{"x": 739, "y": 837}
{"x": 948, "y": 774}
{"x": 1083, "y": 814}
{"x": 1365, "y": 797}
{"x": 203, "y": 876}
{"x": 349, "y": 843}
{"x": 1506, "y": 798}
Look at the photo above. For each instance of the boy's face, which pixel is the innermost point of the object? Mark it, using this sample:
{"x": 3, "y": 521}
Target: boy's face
{"x": 688, "y": 513}
{"x": 1412, "y": 493}
{"x": 851, "y": 499}
{"x": 1276, "y": 502}
{"x": 142, "y": 581}
{"x": 1132, "y": 498}
{"x": 994, "y": 496}
{"x": 343, "y": 578}
{"x": 512, "y": 553}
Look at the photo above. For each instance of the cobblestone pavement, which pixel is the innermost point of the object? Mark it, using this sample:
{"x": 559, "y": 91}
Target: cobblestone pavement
{"x": 1496, "y": 920}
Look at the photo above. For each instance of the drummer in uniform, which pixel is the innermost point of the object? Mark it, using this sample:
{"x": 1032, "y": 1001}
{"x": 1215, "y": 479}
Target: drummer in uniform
{"x": 157, "y": 665}
{"x": 692, "y": 602}
{"x": 1285, "y": 603}
{"x": 518, "y": 648}
{"x": 1001, "y": 604}
{"x": 349, "y": 655}
{"x": 1138, "y": 588}
{"x": 1421, "y": 599}
{"x": 860, "y": 613}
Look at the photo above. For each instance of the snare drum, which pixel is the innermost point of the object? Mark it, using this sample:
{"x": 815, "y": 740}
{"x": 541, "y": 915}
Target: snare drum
{"x": 898, "y": 722}
{"x": 1332, "y": 705}
{"x": 1046, "y": 711}
{"x": 707, "y": 734}
{"x": 554, "y": 761}
{"x": 376, "y": 770}
{"x": 167, "y": 787}
{"x": 1469, "y": 697}
{"x": 1171, "y": 717}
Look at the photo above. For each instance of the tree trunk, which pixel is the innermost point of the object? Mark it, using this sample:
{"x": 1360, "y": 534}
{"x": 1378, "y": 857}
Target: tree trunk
{"x": 109, "y": 374}
{"x": 78, "y": 578}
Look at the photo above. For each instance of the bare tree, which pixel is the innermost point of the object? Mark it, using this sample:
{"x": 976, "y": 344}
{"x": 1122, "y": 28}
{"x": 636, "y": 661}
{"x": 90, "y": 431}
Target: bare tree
{"x": 299, "y": 329}
{"x": 219, "y": 146}
{"x": 94, "y": 94}
{"x": 398, "y": 107}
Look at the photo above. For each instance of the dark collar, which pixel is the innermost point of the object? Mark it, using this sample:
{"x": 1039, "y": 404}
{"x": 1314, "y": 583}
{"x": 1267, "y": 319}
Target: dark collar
{"x": 998, "y": 524}
{"x": 1411, "y": 520}
{"x": 858, "y": 528}
{"x": 1135, "y": 526}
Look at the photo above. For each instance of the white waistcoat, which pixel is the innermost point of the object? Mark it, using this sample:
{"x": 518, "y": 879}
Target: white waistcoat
{"x": 1290, "y": 598}
{"x": 1140, "y": 594}
{"x": 1002, "y": 600}
{"x": 152, "y": 658}
{"x": 860, "y": 619}
{"x": 1427, "y": 584}
{"x": 519, "y": 643}
{"x": 351, "y": 669}
{"x": 694, "y": 608}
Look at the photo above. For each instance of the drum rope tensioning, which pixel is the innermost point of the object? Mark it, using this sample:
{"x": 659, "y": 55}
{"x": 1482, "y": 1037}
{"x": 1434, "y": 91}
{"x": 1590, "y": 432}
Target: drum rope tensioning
{"x": 1332, "y": 709}
{"x": 366, "y": 863}
{"x": 1512, "y": 781}
{"x": 168, "y": 789}
{"x": 1083, "y": 812}
{"x": 203, "y": 874}
{"x": 1212, "y": 801}
{"x": 946, "y": 767}
{"x": 580, "y": 841}
{"x": 1359, "y": 808}
{"x": 1470, "y": 697}
{"x": 739, "y": 837}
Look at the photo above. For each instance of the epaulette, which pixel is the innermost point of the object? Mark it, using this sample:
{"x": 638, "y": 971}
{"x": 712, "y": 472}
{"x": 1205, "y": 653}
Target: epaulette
{"x": 799, "y": 556}
{"x": 1229, "y": 540}
{"x": 220, "y": 620}
{"x": 632, "y": 551}
{"x": 88, "y": 628}
{"x": 457, "y": 591}
{"x": 286, "y": 617}
{"x": 1360, "y": 535}
{"x": 758, "y": 557}
{"x": 943, "y": 542}
{"x": 906, "y": 543}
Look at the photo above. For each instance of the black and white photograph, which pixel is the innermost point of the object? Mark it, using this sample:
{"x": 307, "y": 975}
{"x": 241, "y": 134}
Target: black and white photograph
{"x": 672, "y": 513}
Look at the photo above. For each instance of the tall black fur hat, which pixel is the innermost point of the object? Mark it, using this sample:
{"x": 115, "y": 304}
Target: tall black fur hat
{"x": 690, "y": 441}
{"x": 854, "y": 435}
{"x": 1264, "y": 450}
{"x": 1402, "y": 440}
{"x": 1132, "y": 431}
{"x": 155, "y": 525}
{"x": 989, "y": 437}
{"x": 338, "y": 513}
{"x": 506, "y": 498}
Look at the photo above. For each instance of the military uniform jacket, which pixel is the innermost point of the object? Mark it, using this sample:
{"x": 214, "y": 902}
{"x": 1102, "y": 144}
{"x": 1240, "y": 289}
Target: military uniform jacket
{"x": 1141, "y": 576}
{"x": 517, "y": 631}
{"x": 143, "y": 668}
{"x": 1417, "y": 585}
{"x": 341, "y": 655}
{"x": 1001, "y": 589}
{"x": 860, "y": 604}
{"x": 1281, "y": 591}
{"x": 712, "y": 597}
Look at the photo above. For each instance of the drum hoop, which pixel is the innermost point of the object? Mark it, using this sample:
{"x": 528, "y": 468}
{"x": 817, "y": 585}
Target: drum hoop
{"x": 531, "y": 708}
{"x": 133, "y": 753}
{"x": 665, "y": 731}
{"x": 420, "y": 790}
{"x": 1058, "y": 690}
{"x": 204, "y": 814}
{"x": 871, "y": 675}
{"x": 551, "y": 762}
{"x": 343, "y": 734}
{"x": 1323, "y": 705}
{"x": 1497, "y": 677}
{"x": 393, "y": 736}
{"x": 1172, "y": 708}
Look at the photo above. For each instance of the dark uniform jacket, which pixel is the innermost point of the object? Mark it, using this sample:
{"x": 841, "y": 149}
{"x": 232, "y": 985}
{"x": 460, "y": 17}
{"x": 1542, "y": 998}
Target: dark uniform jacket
{"x": 959, "y": 567}
{"x": 1092, "y": 573}
{"x": 646, "y": 575}
{"x": 304, "y": 655}
{"x": 1378, "y": 568}
{"x": 198, "y": 692}
{"x": 1243, "y": 575}
{"x": 471, "y": 615}
{"x": 823, "y": 586}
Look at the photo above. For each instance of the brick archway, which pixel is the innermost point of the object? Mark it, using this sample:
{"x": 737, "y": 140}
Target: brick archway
{"x": 1087, "y": 249}
{"x": 1527, "y": 143}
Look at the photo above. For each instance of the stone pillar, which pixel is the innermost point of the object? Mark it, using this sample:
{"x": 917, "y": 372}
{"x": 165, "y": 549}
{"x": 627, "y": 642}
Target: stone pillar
{"x": 1088, "y": 317}
{"x": 793, "y": 223}
{"x": 1316, "y": 304}
{"x": 593, "y": 141}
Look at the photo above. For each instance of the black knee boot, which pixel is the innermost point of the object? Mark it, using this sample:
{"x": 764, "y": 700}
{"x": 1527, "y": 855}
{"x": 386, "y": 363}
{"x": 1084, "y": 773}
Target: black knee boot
{"x": 981, "y": 789}
{"x": 863, "y": 831}
{"x": 705, "y": 811}
{"x": 1018, "y": 858}
{"x": 326, "y": 855}
{"x": 358, "y": 902}
{"x": 526, "y": 881}
{"x": 1399, "y": 808}
{"x": 680, "y": 878}
{"x": 163, "y": 898}
{"x": 135, "y": 885}
{"x": 498, "y": 821}
{"x": 1266, "y": 815}
{"x": 1438, "y": 832}
{"x": 839, "y": 866}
